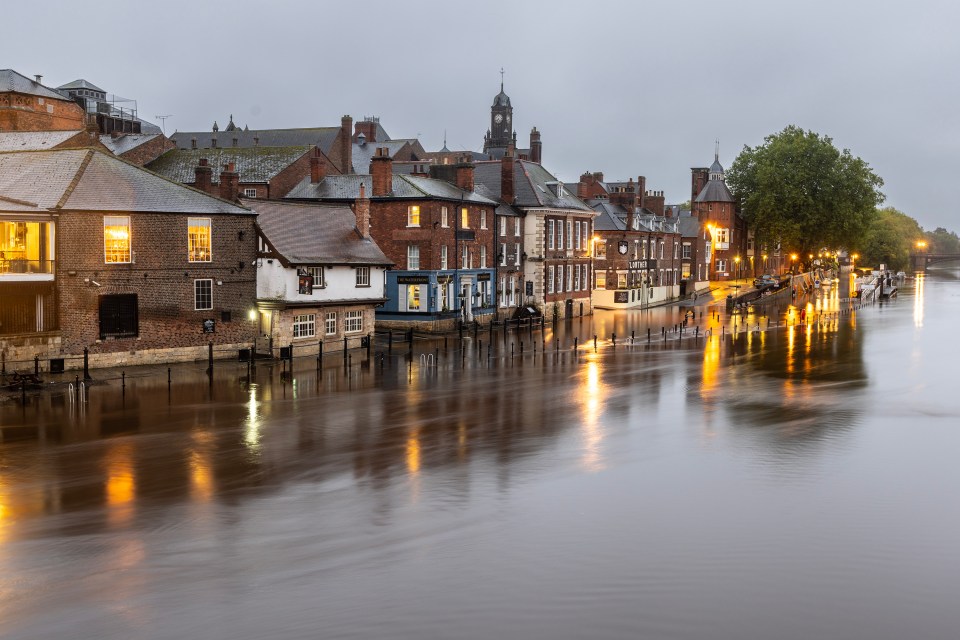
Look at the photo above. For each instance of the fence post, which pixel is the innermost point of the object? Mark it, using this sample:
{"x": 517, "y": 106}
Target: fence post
{"x": 210, "y": 358}
{"x": 345, "y": 349}
{"x": 36, "y": 365}
{"x": 86, "y": 363}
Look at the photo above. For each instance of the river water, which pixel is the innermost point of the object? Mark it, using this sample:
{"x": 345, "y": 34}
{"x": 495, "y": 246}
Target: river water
{"x": 791, "y": 482}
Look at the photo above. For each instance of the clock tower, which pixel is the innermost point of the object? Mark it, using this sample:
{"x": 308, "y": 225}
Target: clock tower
{"x": 500, "y": 135}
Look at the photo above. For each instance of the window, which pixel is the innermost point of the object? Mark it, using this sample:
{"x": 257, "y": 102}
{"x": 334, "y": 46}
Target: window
{"x": 116, "y": 239}
{"x": 721, "y": 266}
{"x": 483, "y": 256}
{"x": 412, "y": 297}
{"x": 444, "y": 220}
{"x": 577, "y": 241}
{"x": 686, "y": 270}
{"x": 512, "y": 291}
{"x": 550, "y": 276}
{"x": 503, "y": 254}
{"x": 586, "y": 234}
{"x": 352, "y": 321}
{"x": 305, "y": 325}
{"x": 559, "y": 234}
{"x": 503, "y": 292}
{"x": 550, "y": 231}
{"x": 621, "y": 280}
{"x": 465, "y": 258}
{"x": 516, "y": 254}
{"x": 443, "y": 257}
{"x": 600, "y": 250}
{"x": 363, "y": 276}
{"x": 569, "y": 234}
{"x": 413, "y": 216}
{"x": 569, "y": 278}
{"x": 464, "y": 218}
{"x": 559, "y": 278}
{"x": 516, "y": 227}
{"x": 330, "y": 323}
{"x": 118, "y": 316}
{"x": 503, "y": 226}
{"x": 576, "y": 279}
{"x": 601, "y": 279}
{"x": 317, "y": 273}
{"x": 413, "y": 257}
{"x": 483, "y": 218}
{"x": 198, "y": 235}
{"x": 250, "y": 193}
{"x": 686, "y": 251}
{"x": 203, "y": 294}
{"x": 676, "y": 250}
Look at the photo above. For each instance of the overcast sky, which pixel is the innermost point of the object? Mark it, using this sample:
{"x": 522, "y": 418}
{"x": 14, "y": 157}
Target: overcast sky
{"x": 627, "y": 88}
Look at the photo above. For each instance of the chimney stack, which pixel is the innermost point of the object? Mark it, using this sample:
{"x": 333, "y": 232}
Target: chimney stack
{"x": 318, "y": 169}
{"x": 361, "y": 208}
{"x": 536, "y": 147}
{"x": 381, "y": 169}
{"x": 641, "y": 191}
{"x": 203, "y": 176}
{"x": 506, "y": 178}
{"x": 38, "y": 78}
{"x": 229, "y": 182}
{"x": 346, "y": 145}
{"x": 655, "y": 202}
{"x": 465, "y": 170}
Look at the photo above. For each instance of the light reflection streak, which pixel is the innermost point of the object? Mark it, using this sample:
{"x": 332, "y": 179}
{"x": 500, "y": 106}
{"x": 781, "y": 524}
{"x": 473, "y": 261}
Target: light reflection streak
{"x": 121, "y": 484}
{"x": 918, "y": 302}
{"x": 591, "y": 397}
{"x": 251, "y": 435}
{"x": 201, "y": 476}
{"x": 711, "y": 365}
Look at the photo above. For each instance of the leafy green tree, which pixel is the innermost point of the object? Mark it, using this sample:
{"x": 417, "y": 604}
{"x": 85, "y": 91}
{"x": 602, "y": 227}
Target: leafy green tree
{"x": 800, "y": 191}
{"x": 942, "y": 241}
{"x": 891, "y": 240}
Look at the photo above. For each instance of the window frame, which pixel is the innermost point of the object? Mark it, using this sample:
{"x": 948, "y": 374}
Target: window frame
{"x": 129, "y": 239}
{"x": 319, "y": 277}
{"x": 413, "y": 257}
{"x": 413, "y": 215}
{"x": 361, "y": 276}
{"x": 197, "y": 294}
{"x": 349, "y": 317}
{"x": 330, "y": 317}
{"x": 304, "y": 325}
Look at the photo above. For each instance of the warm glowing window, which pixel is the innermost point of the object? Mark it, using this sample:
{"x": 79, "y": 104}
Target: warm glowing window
{"x": 413, "y": 297}
{"x": 413, "y": 216}
{"x": 601, "y": 279}
{"x": 198, "y": 234}
{"x": 116, "y": 239}
{"x": 465, "y": 218}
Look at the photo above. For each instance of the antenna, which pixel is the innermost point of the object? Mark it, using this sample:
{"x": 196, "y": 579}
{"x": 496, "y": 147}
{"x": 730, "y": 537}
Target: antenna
{"x": 163, "y": 122}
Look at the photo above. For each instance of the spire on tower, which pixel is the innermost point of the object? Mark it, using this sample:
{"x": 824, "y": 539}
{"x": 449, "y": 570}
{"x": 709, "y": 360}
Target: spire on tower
{"x": 501, "y": 79}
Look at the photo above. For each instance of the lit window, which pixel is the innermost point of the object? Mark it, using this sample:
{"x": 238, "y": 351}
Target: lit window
{"x": 363, "y": 276}
{"x": 413, "y": 297}
{"x": 601, "y": 279}
{"x": 116, "y": 239}
{"x": 330, "y": 323}
{"x": 198, "y": 239}
{"x": 444, "y": 222}
{"x": 203, "y": 294}
{"x": 413, "y": 257}
{"x": 304, "y": 326}
{"x": 317, "y": 273}
{"x": 413, "y": 216}
{"x": 465, "y": 218}
{"x": 352, "y": 321}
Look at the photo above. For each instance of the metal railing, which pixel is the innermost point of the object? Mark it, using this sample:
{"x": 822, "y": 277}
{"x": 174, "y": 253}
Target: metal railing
{"x": 16, "y": 266}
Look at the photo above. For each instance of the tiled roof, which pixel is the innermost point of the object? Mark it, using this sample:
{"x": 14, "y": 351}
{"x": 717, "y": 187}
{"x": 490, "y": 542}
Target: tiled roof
{"x": 715, "y": 191}
{"x": 308, "y": 233}
{"x": 363, "y": 153}
{"x": 403, "y": 186}
{"x": 253, "y": 164}
{"x": 322, "y": 137}
{"x": 121, "y": 144}
{"x": 533, "y": 186}
{"x": 81, "y": 84}
{"x": 91, "y": 180}
{"x": 33, "y": 140}
{"x": 10, "y": 80}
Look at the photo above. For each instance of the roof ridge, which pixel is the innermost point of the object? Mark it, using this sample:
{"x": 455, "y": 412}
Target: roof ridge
{"x": 23, "y": 202}
{"x": 76, "y": 179}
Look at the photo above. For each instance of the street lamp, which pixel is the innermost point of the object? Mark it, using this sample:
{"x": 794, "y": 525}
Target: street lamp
{"x": 736, "y": 261}
{"x": 793, "y": 260}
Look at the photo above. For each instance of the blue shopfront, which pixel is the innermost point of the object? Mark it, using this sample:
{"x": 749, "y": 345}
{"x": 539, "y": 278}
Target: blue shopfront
{"x": 455, "y": 294}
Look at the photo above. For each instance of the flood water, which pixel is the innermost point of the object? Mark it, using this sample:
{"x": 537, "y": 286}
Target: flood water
{"x": 795, "y": 482}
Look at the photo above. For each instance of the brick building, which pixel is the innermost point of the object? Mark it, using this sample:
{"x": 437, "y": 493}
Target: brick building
{"x": 138, "y": 148}
{"x": 27, "y": 105}
{"x": 320, "y": 275}
{"x": 104, "y": 255}
{"x": 438, "y": 232}
{"x": 714, "y": 207}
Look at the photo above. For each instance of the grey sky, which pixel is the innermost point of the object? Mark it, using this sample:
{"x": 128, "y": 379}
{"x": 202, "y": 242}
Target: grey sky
{"x": 626, "y": 88}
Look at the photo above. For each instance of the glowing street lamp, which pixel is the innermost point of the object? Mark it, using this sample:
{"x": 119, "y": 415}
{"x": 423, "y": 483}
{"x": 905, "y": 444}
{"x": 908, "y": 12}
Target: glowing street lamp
{"x": 736, "y": 261}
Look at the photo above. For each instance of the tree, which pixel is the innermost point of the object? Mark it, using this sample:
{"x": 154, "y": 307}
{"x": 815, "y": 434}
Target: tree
{"x": 799, "y": 191}
{"x": 942, "y": 241}
{"x": 891, "y": 240}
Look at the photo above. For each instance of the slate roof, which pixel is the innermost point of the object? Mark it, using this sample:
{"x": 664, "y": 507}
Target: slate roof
{"x": 403, "y": 186}
{"x": 715, "y": 191}
{"x": 310, "y": 233}
{"x": 253, "y": 164}
{"x": 322, "y": 137}
{"x": 33, "y": 140}
{"x": 10, "y": 80}
{"x": 127, "y": 142}
{"x": 81, "y": 84}
{"x": 533, "y": 186}
{"x": 363, "y": 153}
{"x": 93, "y": 180}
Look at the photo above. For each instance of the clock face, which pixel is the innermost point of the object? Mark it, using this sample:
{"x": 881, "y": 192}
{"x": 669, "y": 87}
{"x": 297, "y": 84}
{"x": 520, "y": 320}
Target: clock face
{"x": 498, "y": 118}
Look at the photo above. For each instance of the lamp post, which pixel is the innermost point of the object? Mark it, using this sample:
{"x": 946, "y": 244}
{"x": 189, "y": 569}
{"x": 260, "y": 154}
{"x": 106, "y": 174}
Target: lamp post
{"x": 793, "y": 263}
{"x": 736, "y": 261}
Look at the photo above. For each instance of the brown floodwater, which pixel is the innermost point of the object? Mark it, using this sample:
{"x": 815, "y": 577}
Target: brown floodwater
{"x": 785, "y": 481}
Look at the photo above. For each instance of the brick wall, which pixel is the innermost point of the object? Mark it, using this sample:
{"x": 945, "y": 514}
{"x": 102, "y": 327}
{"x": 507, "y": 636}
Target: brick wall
{"x": 162, "y": 278}
{"x": 388, "y": 226}
{"x": 21, "y": 112}
{"x": 149, "y": 151}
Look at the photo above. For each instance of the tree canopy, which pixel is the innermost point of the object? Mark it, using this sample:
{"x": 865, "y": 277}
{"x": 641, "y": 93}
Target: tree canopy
{"x": 798, "y": 190}
{"x": 890, "y": 240}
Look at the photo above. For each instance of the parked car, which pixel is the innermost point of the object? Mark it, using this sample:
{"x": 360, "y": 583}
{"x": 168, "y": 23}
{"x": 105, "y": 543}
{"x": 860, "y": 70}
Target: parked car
{"x": 766, "y": 281}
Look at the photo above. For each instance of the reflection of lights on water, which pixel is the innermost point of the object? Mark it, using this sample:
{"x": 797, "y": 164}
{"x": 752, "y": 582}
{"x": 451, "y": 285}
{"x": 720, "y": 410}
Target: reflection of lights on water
{"x": 711, "y": 364}
{"x": 591, "y": 395}
{"x": 121, "y": 485}
{"x": 413, "y": 453}
{"x": 251, "y": 434}
{"x": 201, "y": 479}
{"x": 918, "y": 302}
{"x": 791, "y": 346}
{"x": 462, "y": 440}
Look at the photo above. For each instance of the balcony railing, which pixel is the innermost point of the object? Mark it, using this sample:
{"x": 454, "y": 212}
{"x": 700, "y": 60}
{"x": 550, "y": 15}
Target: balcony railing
{"x": 22, "y": 266}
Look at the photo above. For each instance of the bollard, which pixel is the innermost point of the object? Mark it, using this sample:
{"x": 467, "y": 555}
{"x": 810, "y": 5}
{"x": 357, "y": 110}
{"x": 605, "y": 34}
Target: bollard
{"x": 86, "y": 364}
{"x": 631, "y": 336}
{"x": 576, "y": 339}
{"x": 594, "y": 342}
{"x": 369, "y": 341}
{"x": 319, "y": 356}
{"x": 390, "y": 341}
{"x": 168, "y": 378}
{"x": 648, "y": 334}
{"x": 613, "y": 338}
{"x": 479, "y": 347}
{"x": 511, "y": 349}
{"x": 521, "y": 347}
{"x": 123, "y": 379}
{"x": 210, "y": 359}
{"x": 36, "y": 365}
